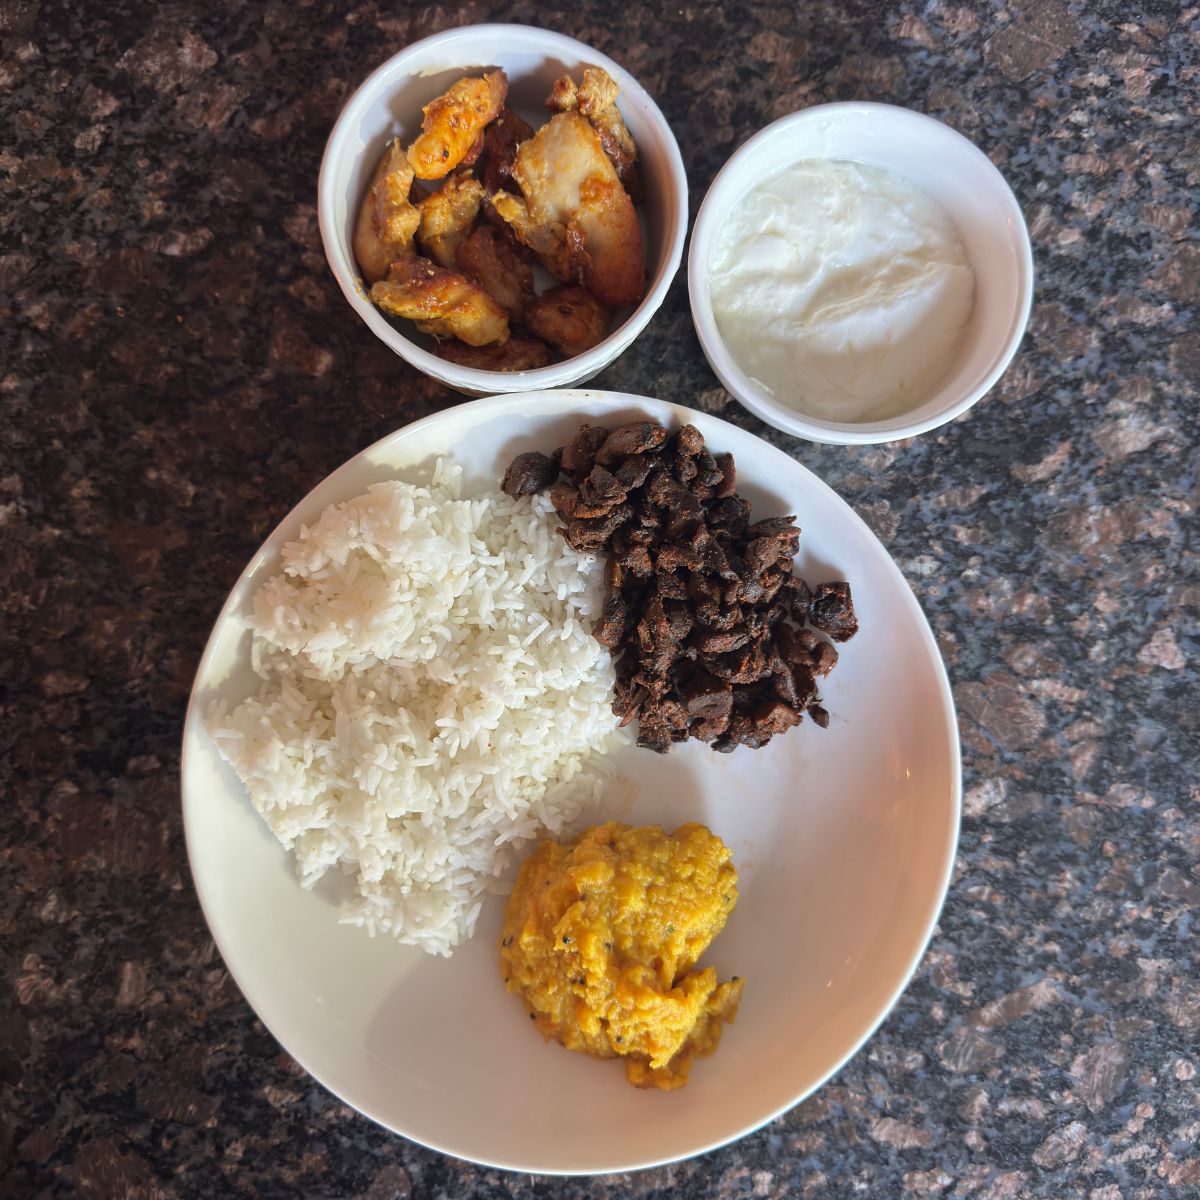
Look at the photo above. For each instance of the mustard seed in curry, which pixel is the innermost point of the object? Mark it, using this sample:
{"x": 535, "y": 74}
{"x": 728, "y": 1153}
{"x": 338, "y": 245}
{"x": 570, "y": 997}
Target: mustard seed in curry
{"x": 601, "y": 938}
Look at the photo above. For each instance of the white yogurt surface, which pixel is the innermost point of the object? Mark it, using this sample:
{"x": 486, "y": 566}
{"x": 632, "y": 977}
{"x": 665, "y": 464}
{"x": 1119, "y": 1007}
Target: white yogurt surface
{"x": 842, "y": 289}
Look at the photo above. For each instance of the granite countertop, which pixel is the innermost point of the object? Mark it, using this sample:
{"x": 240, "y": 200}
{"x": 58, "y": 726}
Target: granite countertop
{"x": 178, "y": 367}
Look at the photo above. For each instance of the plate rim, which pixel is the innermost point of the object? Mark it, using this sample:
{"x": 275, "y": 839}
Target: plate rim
{"x": 193, "y": 722}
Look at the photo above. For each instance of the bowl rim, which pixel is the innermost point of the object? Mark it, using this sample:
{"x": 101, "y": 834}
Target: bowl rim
{"x": 193, "y": 720}
{"x": 791, "y": 420}
{"x": 473, "y": 379}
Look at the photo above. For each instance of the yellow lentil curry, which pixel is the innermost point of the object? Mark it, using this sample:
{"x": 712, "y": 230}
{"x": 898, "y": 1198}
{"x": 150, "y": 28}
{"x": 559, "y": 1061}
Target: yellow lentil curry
{"x": 601, "y": 938}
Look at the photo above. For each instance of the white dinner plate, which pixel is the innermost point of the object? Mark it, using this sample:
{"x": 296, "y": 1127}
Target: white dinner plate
{"x": 843, "y": 838}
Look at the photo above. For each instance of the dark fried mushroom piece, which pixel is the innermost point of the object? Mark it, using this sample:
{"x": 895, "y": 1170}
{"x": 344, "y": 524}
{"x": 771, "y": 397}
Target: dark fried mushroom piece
{"x": 689, "y": 441}
{"x": 580, "y": 452}
{"x": 529, "y": 473}
{"x": 728, "y": 479}
{"x": 601, "y": 487}
{"x": 706, "y": 696}
{"x": 614, "y": 620}
{"x": 824, "y": 658}
{"x": 831, "y": 610}
{"x": 637, "y": 437}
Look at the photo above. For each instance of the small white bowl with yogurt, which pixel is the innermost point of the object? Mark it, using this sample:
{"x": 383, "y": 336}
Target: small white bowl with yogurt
{"x": 859, "y": 273}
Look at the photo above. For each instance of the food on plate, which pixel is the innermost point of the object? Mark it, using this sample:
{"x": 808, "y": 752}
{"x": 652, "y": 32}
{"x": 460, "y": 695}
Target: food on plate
{"x": 441, "y": 302}
{"x": 595, "y": 99}
{"x": 601, "y": 939}
{"x": 569, "y": 318}
{"x": 842, "y": 289}
{"x": 574, "y": 213}
{"x": 831, "y": 610}
{"x": 455, "y": 259}
{"x": 387, "y": 219}
{"x": 431, "y": 699}
{"x": 453, "y": 124}
{"x": 713, "y": 634}
{"x": 529, "y": 473}
{"x": 448, "y": 216}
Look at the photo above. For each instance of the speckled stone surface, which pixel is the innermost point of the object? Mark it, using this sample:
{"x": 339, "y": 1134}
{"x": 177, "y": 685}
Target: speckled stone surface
{"x": 177, "y": 368}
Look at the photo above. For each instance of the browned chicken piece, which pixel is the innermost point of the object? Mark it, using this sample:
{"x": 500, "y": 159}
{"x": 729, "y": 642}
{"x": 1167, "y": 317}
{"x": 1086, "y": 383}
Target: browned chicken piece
{"x": 595, "y": 99}
{"x": 575, "y": 215}
{"x": 500, "y": 141}
{"x": 448, "y": 216}
{"x": 570, "y": 318}
{"x": 519, "y": 353}
{"x": 441, "y": 302}
{"x": 500, "y": 266}
{"x": 453, "y": 122}
{"x": 387, "y": 219}
{"x": 546, "y": 237}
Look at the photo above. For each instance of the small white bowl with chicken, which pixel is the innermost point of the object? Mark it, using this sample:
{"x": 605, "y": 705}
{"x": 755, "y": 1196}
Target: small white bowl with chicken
{"x": 504, "y": 207}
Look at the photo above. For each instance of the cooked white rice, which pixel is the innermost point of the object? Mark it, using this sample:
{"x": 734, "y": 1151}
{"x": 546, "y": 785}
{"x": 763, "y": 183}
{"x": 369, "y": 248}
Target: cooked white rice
{"x": 432, "y": 699}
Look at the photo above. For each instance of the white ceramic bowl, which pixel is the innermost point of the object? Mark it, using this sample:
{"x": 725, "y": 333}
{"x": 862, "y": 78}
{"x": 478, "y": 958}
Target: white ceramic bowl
{"x": 389, "y": 103}
{"x": 958, "y": 176}
{"x": 844, "y": 841}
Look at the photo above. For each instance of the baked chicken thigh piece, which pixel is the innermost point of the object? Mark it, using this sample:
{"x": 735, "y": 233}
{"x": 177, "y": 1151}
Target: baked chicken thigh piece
{"x": 519, "y": 353}
{"x": 441, "y": 302}
{"x": 570, "y": 318}
{"x": 453, "y": 124}
{"x": 595, "y": 99}
{"x": 500, "y": 266}
{"x": 387, "y": 219}
{"x": 573, "y": 213}
{"x": 448, "y": 216}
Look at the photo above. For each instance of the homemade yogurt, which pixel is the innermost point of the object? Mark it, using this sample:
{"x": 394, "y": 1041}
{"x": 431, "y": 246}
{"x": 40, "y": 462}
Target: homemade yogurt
{"x": 842, "y": 289}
